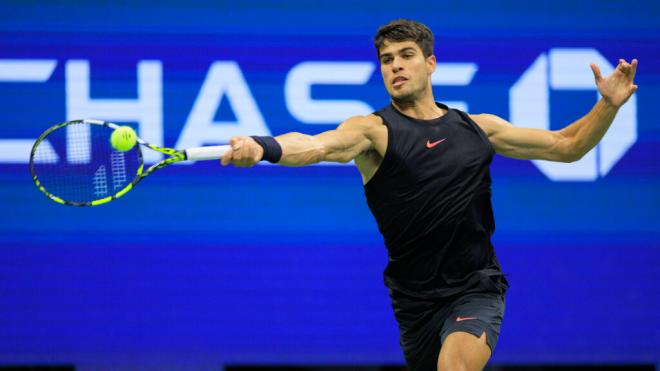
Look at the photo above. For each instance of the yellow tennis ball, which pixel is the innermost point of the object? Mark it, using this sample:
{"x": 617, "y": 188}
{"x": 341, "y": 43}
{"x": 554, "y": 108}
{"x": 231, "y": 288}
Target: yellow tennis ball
{"x": 123, "y": 139}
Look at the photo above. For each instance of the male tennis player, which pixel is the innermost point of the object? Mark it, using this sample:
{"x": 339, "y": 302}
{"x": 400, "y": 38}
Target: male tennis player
{"x": 425, "y": 170}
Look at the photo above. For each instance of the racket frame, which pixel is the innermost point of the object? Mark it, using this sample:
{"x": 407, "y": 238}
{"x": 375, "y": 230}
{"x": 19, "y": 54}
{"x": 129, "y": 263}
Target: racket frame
{"x": 174, "y": 156}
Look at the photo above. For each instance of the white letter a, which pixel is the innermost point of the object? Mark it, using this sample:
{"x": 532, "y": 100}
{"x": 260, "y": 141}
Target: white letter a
{"x": 223, "y": 79}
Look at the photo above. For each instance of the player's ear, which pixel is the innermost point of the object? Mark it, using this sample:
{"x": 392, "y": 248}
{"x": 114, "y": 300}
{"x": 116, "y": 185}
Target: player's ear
{"x": 430, "y": 64}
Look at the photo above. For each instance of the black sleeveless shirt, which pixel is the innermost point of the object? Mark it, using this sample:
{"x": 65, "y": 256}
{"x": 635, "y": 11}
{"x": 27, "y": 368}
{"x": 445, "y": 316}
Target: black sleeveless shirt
{"x": 431, "y": 200}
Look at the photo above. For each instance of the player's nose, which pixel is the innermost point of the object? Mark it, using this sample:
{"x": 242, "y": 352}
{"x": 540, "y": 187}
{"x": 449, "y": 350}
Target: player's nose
{"x": 396, "y": 66}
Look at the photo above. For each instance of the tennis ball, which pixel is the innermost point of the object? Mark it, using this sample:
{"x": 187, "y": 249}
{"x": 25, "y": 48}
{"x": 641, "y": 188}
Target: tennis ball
{"x": 123, "y": 139}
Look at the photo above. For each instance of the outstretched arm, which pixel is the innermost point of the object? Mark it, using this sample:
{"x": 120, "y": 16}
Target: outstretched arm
{"x": 575, "y": 140}
{"x": 340, "y": 145}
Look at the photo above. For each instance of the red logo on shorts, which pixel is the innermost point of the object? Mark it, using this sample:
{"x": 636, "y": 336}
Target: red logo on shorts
{"x": 459, "y": 318}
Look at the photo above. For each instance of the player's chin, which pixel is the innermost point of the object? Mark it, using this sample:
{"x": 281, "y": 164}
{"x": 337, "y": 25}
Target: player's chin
{"x": 396, "y": 91}
{"x": 402, "y": 97}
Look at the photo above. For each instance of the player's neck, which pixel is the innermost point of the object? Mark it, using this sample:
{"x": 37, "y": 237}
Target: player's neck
{"x": 422, "y": 109}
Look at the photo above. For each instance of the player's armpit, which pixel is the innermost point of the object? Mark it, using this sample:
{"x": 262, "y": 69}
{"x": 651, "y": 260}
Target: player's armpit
{"x": 343, "y": 144}
{"x": 526, "y": 143}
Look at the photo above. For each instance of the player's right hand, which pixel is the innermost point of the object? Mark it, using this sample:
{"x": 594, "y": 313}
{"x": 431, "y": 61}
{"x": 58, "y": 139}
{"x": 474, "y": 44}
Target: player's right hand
{"x": 243, "y": 152}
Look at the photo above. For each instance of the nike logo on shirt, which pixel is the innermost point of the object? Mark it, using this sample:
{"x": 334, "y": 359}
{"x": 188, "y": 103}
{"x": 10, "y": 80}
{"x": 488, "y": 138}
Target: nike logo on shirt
{"x": 459, "y": 319}
{"x": 431, "y": 145}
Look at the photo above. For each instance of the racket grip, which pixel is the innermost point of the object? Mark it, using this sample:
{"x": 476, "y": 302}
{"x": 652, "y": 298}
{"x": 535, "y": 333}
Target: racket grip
{"x": 206, "y": 153}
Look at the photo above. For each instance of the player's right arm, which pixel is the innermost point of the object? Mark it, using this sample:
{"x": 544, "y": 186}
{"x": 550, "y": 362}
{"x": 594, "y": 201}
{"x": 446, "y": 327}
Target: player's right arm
{"x": 350, "y": 139}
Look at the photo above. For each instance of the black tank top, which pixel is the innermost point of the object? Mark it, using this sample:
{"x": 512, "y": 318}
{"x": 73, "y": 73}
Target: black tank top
{"x": 431, "y": 200}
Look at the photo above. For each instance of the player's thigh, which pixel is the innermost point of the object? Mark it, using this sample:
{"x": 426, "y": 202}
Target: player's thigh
{"x": 470, "y": 334}
{"x": 463, "y": 351}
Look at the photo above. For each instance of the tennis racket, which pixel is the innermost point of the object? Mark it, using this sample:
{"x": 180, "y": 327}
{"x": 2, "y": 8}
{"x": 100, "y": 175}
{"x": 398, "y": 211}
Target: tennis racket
{"x": 73, "y": 163}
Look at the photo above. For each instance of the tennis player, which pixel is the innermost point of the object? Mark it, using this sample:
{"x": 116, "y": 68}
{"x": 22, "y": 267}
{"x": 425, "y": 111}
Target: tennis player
{"x": 425, "y": 170}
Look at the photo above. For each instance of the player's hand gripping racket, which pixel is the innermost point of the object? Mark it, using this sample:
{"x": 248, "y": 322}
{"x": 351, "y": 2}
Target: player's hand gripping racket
{"x": 74, "y": 163}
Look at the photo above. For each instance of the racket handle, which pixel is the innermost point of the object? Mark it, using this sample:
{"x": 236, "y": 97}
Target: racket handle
{"x": 206, "y": 153}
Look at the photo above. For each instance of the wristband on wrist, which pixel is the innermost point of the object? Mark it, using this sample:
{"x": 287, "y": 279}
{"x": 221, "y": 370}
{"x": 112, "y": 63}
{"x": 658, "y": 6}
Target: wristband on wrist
{"x": 272, "y": 149}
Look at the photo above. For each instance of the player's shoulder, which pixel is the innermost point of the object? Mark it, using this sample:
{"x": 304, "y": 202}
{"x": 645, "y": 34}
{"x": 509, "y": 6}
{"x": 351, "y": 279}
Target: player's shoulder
{"x": 365, "y": 120}
{"x": 490, "y": 123}
{"x": 370, "y": 126}
{"x": 366, "y": 123}
{"x": 488, "y": 118}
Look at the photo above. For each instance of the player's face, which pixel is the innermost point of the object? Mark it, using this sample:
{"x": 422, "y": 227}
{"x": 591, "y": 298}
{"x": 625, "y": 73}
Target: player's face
{"x": 406, "y": 72}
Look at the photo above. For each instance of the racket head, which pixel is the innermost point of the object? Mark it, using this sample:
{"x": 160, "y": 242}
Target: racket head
{"x": 73, "y": 163}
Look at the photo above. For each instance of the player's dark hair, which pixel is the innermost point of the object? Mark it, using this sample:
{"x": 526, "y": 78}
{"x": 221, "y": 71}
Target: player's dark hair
{"x": 405, "y": 30}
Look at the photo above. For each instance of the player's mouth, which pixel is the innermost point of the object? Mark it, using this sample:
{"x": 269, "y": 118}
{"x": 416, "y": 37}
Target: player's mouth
{"x": 398, "y": 81}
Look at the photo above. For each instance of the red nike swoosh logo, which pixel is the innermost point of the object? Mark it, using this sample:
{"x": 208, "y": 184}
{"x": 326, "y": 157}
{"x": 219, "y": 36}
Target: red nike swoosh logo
{"x": 459, "y": 319}
{"x": 431, "y": 145}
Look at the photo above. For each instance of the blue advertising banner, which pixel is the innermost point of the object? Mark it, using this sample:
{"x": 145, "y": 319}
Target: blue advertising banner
{"x": 209, "y": 265}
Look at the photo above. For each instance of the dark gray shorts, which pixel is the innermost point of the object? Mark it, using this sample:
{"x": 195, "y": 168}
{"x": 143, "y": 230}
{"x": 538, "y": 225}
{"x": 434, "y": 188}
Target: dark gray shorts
{"x": 474, "y": 313}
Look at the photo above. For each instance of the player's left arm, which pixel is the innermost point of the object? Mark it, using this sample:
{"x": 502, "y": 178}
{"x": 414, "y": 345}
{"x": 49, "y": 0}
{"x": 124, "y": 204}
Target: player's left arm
{"x": 573, "y": 141}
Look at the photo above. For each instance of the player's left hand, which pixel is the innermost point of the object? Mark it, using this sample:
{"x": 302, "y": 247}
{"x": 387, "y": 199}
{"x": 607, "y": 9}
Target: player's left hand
{"x": 619, "y": 86}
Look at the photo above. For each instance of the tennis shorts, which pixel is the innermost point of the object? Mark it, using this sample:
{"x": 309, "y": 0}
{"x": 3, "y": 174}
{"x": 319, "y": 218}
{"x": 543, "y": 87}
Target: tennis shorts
{"x": 422, "y": 333}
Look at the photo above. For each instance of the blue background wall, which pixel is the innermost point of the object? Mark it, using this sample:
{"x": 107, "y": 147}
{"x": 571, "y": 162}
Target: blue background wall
{"x": 202, "y": 265}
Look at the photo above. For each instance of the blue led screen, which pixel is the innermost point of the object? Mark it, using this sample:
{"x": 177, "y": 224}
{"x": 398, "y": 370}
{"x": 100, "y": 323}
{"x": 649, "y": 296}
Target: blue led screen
{"x": 202, "y": 265}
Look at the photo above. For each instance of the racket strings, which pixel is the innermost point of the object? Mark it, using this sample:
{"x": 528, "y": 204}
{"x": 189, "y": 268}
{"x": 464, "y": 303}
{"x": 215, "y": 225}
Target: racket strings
{"x": 45, "y": 154}
{"x": 78, "y": 143}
